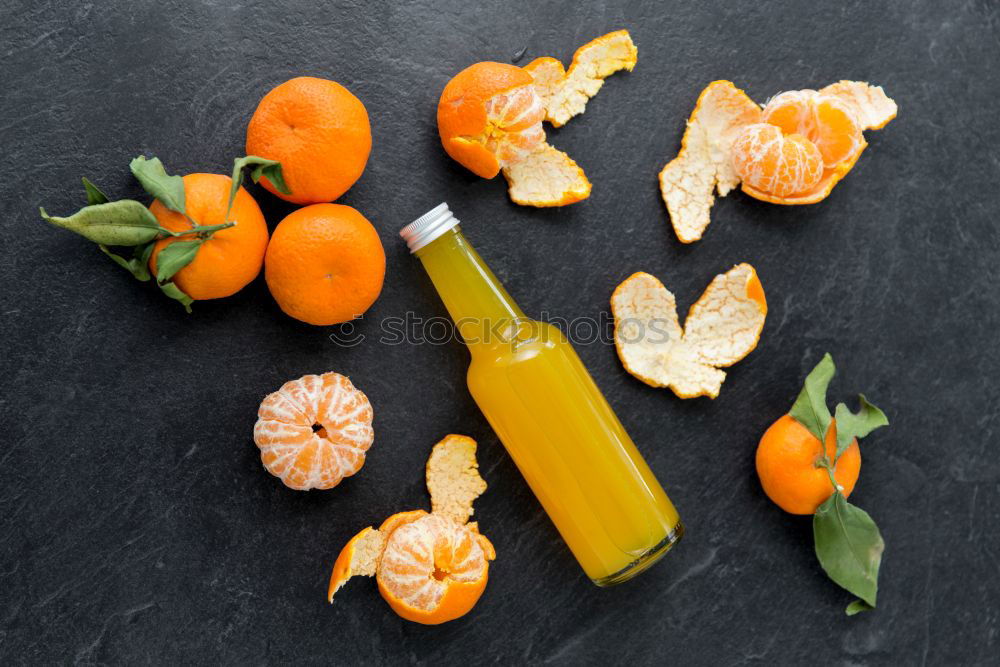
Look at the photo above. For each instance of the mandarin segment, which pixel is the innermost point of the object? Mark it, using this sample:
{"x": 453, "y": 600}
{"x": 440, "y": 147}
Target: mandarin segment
{"x": 826, "y": 121}
{"x": 722, "y": 327}
{"x": 782, "y": 164}
{"x": 314, "y": 431}
{"x": 704, "y": 163}
{"x": 565, "y": 93}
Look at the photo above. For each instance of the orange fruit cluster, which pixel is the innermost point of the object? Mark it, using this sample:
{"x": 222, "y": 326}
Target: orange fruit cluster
{"x": 325, "y": 263}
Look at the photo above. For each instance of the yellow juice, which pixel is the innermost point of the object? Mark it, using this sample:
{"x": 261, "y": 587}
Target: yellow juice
{"x": 551, "y": 417}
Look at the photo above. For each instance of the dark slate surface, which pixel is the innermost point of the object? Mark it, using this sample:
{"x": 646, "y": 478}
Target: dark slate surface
{"x": 136, "y": 523}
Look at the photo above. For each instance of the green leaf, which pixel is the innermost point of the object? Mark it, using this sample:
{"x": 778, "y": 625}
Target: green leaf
{"x": 174, "y": 292}
{"x": 175, "y": 257}
{"x": 155, "y": 180}
{"x": 848, "y": 546}
{"x": 94, "y": 194}
{"x": 123, "y": 222}
{"x": 857, "y": 607}
{"x": 261, "y": 167}
{"x": 858, "y": 424}
{"x": 138, "y": 266}
{"x": 810, "y": 408}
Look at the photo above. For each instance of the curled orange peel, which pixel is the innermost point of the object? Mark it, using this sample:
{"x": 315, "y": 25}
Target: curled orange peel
{"x": 721, "y": 328}
{"x": 565, "y": 93}
{"x": 723, "y": 113}
{"x": 704, "y": 163}
{"x": 436, "y": 568}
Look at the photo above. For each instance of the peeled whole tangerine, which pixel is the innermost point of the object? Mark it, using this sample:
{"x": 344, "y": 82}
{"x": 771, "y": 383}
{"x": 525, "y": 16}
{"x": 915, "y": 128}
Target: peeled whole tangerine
{"x": 722, "y": 327}
{"x": 831, "y": 118}
{"x": 490, "y": 118}
{"x": 314, "y": 431}
{"x": 430, "y": 567}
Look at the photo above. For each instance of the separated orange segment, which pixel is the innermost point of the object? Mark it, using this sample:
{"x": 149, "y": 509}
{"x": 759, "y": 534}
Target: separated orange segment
{"x": 786, "y": 464}
{"x": 230, "y": 258}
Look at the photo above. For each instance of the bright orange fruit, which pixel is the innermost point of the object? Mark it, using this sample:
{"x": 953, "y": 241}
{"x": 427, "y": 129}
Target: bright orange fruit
{"x": 320, "y": 133}
{"x": 314, "y": 431}
{"x": 433, "y": 569}
{"x": 489, "y": 115}
{"x": 490, "y": 119}
{"x": 786, "y": 464}
{"x": 325, "y": 264}
{"x": 228, "y": 260}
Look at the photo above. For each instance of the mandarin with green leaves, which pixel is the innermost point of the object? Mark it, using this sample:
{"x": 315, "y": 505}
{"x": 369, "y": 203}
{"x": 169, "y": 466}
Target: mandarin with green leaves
{"x": 230, "y": 258}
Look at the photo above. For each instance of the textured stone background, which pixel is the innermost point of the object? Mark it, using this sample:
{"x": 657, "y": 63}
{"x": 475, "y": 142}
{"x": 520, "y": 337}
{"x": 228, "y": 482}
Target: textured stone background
{"x": 136, "y": 523}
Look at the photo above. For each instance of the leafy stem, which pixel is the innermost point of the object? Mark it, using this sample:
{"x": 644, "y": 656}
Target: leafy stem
{"x": 848, "y": 543}
{"x": 203, "y": 231}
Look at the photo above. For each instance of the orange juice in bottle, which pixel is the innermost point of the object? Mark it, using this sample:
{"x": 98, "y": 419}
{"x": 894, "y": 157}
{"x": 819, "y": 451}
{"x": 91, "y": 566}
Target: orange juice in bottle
{"x": 551, "y": 417}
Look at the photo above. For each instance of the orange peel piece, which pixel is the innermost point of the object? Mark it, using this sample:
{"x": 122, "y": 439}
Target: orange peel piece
{"x": 721, "y": 328}
{"x": 565, "y": 93}
{"x": 453, "y": 477}
{"x": 704, "y": 163}
{"x": 360, "y": 556}
{"x": 874, "y": 109}
{"x": 547, "y": 177}
{"x": 430, "y": 567}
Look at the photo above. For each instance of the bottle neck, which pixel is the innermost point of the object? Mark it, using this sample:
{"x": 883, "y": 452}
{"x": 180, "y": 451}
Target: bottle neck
{"x": 479, "y": 305}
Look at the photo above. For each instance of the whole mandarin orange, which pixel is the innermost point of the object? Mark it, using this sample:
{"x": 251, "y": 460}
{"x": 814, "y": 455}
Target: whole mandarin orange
{"x": 325, "y": 264}
{"x": 320, "y": 133}
{"x": 232, "y": 257}
{"x": 786, "y": 465}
